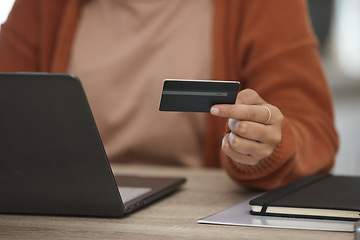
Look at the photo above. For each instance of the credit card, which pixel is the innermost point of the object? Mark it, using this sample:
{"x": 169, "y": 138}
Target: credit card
{"x": 183, "y": 95}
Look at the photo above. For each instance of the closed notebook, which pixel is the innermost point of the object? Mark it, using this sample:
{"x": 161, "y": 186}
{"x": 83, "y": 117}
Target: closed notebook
{"x": 316, "y": 196}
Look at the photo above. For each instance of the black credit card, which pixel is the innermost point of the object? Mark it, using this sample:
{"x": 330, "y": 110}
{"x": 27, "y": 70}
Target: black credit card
{"x": 185, "y": 95}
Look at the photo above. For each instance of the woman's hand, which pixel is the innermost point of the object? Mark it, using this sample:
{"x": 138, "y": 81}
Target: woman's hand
{"x": 255, "y": 127}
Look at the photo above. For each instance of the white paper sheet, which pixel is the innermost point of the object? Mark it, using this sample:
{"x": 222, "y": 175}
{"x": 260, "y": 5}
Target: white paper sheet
{"x": 239, "y": 215}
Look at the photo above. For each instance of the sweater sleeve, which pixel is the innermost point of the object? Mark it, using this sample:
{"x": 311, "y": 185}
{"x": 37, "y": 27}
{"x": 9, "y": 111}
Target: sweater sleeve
{"x": 278, "y": 58}
{"x": 19, "y": 38}
{"x": 30, "y": 34}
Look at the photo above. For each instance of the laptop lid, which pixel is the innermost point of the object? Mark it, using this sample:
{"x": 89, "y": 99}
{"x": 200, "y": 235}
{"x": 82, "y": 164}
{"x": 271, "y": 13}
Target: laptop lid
{"x": 52, "y": 160}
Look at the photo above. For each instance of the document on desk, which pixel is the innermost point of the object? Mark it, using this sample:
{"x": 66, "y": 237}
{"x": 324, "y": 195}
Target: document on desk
{"x": 239, "y": 215}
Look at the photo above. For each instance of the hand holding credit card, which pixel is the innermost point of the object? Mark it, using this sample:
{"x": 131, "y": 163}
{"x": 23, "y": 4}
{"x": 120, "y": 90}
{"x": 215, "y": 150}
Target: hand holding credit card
{"x": 196, "y": 95}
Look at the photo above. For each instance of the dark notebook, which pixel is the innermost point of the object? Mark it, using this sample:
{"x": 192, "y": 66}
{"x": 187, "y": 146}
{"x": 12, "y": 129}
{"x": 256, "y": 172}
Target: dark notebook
{"x": 317, "y": 196}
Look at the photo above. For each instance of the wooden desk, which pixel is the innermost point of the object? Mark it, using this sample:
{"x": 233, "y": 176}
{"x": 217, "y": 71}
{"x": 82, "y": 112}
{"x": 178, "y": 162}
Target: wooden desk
{"x": 206, "y": 192}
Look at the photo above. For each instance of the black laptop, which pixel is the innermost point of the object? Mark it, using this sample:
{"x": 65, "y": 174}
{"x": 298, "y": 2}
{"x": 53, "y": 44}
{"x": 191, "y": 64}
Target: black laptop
{"x": 52, "y": 160}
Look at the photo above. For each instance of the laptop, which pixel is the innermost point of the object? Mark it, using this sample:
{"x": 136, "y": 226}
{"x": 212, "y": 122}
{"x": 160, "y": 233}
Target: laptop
{"x": 52, "y": 160}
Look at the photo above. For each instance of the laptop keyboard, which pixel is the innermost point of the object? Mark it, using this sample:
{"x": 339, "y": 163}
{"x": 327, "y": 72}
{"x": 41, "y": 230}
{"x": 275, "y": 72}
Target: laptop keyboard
{"x": 129, "y": 193}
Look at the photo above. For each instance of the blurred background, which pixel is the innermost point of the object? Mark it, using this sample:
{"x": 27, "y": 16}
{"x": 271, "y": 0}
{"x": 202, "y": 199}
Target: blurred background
{"x": 337, "y": 25}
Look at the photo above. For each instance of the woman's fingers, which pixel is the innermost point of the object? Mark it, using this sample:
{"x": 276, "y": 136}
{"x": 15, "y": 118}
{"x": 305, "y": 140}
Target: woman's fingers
{"x": 253, "y": 113}
{"x": 244, "y": 151}
{"x": 254, "y": 131}
{"x": 255, "y": 127}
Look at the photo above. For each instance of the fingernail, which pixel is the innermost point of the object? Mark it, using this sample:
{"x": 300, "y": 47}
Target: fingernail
{"x": 214, "y": 111}
{"x": 223, "y": 142}
{"x": 231, "y": 137}
{"x": 233, "y": 123}
{"x": 237, "y": 124}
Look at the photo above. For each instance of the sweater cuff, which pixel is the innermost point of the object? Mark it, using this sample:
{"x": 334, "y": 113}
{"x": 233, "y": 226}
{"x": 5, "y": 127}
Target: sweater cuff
{"x": 281, "y": 154}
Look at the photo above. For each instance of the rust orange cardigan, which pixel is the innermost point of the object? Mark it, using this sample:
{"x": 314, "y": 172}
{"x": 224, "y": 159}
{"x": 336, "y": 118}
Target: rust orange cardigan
{"x": 267, "y": 45}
